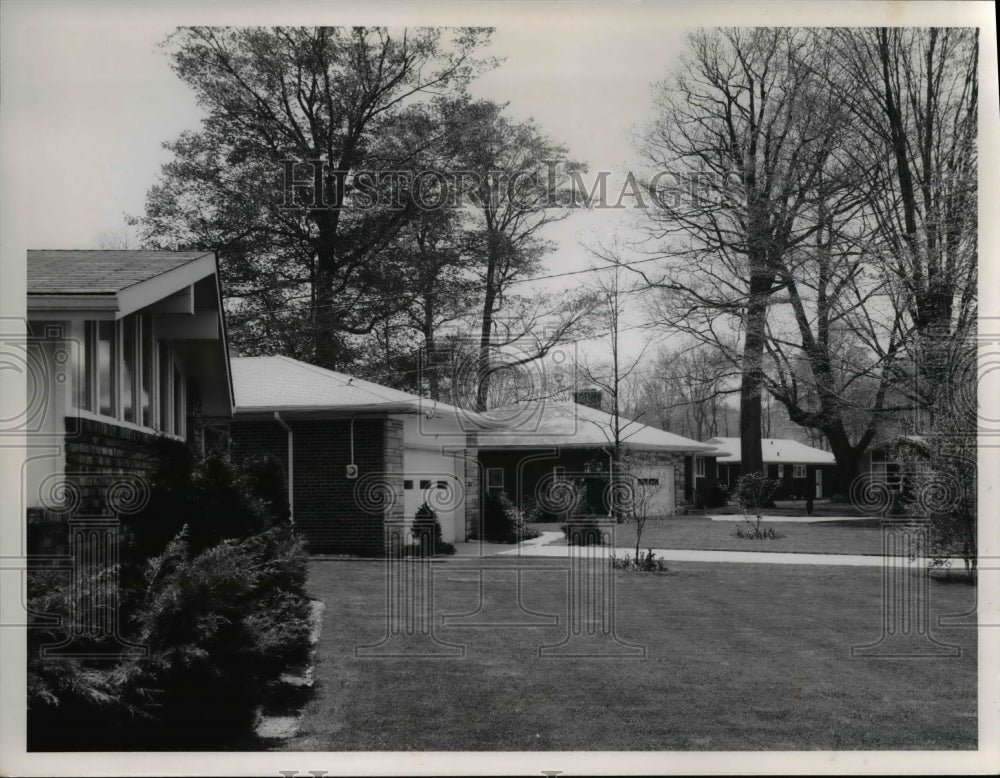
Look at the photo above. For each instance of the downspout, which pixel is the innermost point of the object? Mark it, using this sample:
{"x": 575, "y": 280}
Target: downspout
{"x": 291, "y": 468}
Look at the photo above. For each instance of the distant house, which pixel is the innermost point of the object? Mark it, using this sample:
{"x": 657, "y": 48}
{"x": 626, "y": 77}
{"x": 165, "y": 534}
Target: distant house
{"x": 357, "y": 455}
{"x": 804, "y": 471}
{"x": 122, "y": 347}
{"x": 546, "y": 442}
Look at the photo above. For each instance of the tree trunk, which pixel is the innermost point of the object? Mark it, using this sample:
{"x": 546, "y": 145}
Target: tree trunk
{"x": 489, "y": 301}
{"x": 752, "y": 379}
{"x": 848, "y": 459}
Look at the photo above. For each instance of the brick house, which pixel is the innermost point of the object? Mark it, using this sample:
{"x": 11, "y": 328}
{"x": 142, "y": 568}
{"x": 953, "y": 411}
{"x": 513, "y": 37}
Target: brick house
{"x": 547, "y": 442}
{"x": 357, "y": 455}
{"x": 122, "y": 347}
{"x": 804, "y": 470}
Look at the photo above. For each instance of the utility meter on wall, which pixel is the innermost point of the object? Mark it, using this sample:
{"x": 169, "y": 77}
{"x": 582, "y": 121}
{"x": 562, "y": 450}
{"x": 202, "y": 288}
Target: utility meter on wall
{"x": 352, "y": 471}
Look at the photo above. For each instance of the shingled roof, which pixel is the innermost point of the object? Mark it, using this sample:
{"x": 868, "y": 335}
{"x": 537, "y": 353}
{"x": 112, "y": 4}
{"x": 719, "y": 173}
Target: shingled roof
{"x": 54, "y": 272}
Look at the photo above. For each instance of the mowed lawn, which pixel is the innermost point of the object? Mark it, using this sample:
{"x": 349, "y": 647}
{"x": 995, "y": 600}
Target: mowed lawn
{"x": 738, "y": 656}
{"x": 700, "y": 532}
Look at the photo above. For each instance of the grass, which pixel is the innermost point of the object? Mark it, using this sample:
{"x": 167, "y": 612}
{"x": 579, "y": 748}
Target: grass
{"x": 738, "y": 657}
{"x": 700, "y": 532}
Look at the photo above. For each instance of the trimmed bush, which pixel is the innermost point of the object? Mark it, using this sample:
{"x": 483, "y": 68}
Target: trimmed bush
{"x": 503, "y": 522}
{"x": 426, "y": 530}
{"x": 215, "y": 499}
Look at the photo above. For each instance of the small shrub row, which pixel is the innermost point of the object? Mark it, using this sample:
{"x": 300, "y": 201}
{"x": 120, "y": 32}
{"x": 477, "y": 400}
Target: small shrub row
{"x": 644, "y": 563}
{"x": 751, "y": 532}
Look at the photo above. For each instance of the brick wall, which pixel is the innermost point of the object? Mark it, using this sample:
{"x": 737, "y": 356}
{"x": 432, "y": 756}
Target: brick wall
{"x": 100, "y": 459}
{"x": 335, "y": 513}
{"x": 99, "y": 453}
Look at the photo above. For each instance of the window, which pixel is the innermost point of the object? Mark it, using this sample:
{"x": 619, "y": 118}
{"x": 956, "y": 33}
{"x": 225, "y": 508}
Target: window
{"x": 106, "y": 342}
{"x": 89, "y": 367}
{"x": 699, "y": 467}
{"x": 166, "y": 373}
{"x": 798, "y": 471}
{"x": 128, "y": 375}
{"x": 442, "y": 484}
{"x": 558, "y": 473}
{"x": 425, "y": 484}
{"x": 408, "y": 483}
{"x": 648, "y": 481}
{"x": 781, "y": 471}
{"x": 146, "y": 382}
{"x": 179, "y": 400}
{"x": 127, "y": 371}
{"x": 494, "y": 478}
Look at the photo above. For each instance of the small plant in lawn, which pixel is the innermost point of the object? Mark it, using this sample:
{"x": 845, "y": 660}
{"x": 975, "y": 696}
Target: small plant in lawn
{"x": 643, "y": 563}
{"x": 754, "y": 533}
{"x": 426, "y": 530}
{"x": 751, "y": 493}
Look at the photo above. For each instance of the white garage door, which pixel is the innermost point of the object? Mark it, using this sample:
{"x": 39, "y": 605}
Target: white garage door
{"x": 430, "y": 477}
{"x": 654, "y": 489}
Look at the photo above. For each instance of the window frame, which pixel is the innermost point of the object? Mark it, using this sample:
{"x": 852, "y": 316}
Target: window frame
{"x": 88, "y": 399}
{"x": 699, "y": 467}
{"x": 490, "y": 472}
{"x": 800, "y": 471}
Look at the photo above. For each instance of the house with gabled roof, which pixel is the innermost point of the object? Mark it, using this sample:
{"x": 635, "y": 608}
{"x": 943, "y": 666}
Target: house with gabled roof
{"x": 544, "y": 442}
{"x": 359, "y": 457}
{"x": 804, "y": 471}
{"x": 121, "y": 347}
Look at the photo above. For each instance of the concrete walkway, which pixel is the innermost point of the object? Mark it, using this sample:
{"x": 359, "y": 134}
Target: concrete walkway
{"x": 482, "y": 548}
{"x": 792, "y": 519}
{"x": 538, "y": 547}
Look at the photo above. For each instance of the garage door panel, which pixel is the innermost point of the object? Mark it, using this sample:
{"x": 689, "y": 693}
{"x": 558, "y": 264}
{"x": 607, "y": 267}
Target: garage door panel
{"x": 654, "y": 489}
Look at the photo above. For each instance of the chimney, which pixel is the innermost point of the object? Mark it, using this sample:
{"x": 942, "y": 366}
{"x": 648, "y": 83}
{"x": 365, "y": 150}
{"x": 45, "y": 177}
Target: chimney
{"x": 589, "y": 397}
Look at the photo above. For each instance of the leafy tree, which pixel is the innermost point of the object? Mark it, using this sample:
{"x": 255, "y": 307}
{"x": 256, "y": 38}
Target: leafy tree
{"x": 514, "y": 183}
{"x": 307, "y": 265}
